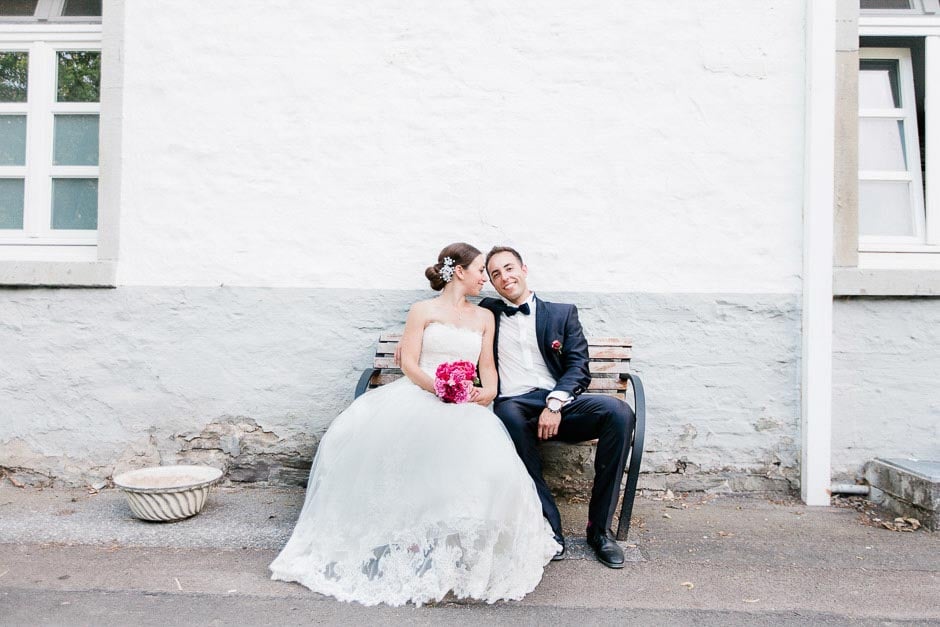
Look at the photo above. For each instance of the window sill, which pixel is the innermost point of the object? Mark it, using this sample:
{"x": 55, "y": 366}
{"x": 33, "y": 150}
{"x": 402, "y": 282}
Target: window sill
{"x": 58, "y": 273}
{"x": 885, "y": 282}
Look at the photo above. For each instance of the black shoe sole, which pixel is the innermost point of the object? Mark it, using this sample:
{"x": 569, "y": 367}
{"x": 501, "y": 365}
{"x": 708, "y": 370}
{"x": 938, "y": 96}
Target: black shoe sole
{"x": 611, "y": 564}
{"x": 560, "y": 555}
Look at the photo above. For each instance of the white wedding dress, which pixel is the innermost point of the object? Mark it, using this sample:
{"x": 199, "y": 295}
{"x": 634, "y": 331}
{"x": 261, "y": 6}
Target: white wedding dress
{"x": 410, "y": 498}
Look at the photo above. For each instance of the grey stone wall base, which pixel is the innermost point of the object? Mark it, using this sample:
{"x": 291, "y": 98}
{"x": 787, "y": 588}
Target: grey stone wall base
{"x": 717, "y": 482}
{"x": 98, "y": 381}
{"x": 569, "y": 472}
{"x": 25, "y": 477}
{"x": 247, "y": 453}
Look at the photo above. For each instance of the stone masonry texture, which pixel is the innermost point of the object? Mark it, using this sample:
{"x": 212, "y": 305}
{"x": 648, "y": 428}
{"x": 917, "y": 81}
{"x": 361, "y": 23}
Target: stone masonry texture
{"x": 97, "y": 381}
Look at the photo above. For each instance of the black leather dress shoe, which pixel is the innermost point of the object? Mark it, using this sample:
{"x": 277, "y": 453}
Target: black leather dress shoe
{"x": 605, "y": 547}
{"x": 560, "y": 555}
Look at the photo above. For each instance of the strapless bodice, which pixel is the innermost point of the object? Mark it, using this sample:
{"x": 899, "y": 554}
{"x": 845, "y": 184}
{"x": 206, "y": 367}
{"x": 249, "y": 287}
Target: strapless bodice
{"x": 444, "y": 343}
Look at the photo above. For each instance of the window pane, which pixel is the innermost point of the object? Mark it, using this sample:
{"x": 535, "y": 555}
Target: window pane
{"x": 18, "y": 7}
{"x": 75, "y": 204}
{"x": 75, "y": 140}
{"x": 82, "y": 7}
{"x": 878, "y": 86}
{"x": 79, "y": 76}
{"x": 11, "y": 203}
{"x": 884, "y": 208}
{"x": 14, "y": 68}
{"x": 881, "y": 144}
{"x": 12, "y": 140}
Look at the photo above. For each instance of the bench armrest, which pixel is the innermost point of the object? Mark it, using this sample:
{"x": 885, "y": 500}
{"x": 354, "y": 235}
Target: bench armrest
{"x": 636, "y": 454}
{"x": 364, "y": 379}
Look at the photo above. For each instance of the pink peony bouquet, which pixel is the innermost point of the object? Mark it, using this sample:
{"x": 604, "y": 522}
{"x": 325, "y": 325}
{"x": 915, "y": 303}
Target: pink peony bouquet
{"x": 454, "y": 380}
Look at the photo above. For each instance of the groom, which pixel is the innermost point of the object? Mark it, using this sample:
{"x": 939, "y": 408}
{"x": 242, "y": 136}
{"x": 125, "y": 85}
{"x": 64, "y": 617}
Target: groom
{"x": 542, "y": 359}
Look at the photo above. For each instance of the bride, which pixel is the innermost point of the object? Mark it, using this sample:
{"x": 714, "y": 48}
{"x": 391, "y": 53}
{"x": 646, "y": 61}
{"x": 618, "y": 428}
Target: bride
{"x": 410, "y": 498}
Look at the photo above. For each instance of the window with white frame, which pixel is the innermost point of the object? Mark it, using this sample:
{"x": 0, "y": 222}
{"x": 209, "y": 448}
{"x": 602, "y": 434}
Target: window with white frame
{"x": 891, "y": 193}
{"x": 50, "y": 78}
{"x": 899, "y": 132}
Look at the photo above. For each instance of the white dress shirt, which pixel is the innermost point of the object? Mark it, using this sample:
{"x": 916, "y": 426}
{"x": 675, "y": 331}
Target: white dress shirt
{"x": 521, "y": 366}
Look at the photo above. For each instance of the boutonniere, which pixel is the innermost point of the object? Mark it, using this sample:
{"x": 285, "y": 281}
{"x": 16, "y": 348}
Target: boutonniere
{"x": 556, "y": 346}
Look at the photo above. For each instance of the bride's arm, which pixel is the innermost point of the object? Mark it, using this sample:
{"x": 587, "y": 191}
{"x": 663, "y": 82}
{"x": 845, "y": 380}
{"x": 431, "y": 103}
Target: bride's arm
{"x": 411, "y": 347}
{"x": 487, "y": 365}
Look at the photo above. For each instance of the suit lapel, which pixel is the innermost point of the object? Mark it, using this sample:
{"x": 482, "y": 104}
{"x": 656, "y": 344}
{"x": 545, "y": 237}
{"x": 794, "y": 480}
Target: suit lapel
{"x": 497, "y": 316}
{"x": 541, "y": 327}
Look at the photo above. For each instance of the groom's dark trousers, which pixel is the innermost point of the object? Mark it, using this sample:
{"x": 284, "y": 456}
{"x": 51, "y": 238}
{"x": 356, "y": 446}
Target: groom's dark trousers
{"x": 587, "y": 417}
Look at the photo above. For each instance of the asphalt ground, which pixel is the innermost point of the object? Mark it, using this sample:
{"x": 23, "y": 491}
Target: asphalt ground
{"x": 71, "y": 557}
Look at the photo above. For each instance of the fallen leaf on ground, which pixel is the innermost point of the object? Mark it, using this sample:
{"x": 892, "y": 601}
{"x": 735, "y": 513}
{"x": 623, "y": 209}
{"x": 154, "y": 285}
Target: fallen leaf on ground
{"x": 687, "y": 584}
{"x": 902, "y": 524}
{"x": 666, "y": 516}
{"x": 726, "y": 534}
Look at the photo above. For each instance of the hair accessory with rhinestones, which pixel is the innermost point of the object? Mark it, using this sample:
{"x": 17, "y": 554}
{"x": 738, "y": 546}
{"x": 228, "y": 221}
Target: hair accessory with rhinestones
{"x": 447, "y": 272}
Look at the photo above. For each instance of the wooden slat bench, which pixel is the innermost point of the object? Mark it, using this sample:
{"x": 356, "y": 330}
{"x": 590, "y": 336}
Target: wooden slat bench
{"x": 610, "y": 374}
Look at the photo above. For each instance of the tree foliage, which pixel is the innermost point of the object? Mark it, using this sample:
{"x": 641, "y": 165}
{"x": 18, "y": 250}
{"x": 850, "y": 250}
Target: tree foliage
{"x": 14, "y": 70}
{"x": 79, "y": 77}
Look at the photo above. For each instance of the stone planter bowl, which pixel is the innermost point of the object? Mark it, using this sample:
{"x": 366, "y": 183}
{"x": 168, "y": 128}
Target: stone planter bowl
{"x": 167, "y": 493}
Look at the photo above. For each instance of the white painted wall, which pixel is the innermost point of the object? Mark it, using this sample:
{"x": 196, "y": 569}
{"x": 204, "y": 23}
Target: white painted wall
{"x": 622, "y": 146}
{"x": 625, "y": 148}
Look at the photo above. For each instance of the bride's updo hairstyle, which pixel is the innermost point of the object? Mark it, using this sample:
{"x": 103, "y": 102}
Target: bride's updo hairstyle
{"x": 460, "y": 253}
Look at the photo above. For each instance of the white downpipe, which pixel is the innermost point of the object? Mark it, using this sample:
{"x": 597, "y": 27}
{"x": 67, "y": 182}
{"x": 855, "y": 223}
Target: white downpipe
{"x": 850, "y": 488}
{"x": 818, "y": 200}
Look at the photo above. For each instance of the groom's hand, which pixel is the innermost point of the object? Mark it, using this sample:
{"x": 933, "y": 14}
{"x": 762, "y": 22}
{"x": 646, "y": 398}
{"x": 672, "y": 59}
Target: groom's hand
{"x": 548, "y": 424}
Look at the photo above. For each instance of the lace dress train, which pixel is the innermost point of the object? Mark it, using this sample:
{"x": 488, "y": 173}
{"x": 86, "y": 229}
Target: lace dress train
{"x": 410, "y": 498}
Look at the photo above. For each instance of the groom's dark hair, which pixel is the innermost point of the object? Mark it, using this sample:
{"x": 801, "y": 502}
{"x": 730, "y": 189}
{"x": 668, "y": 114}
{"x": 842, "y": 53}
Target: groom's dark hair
{"x": 502, "y": 249}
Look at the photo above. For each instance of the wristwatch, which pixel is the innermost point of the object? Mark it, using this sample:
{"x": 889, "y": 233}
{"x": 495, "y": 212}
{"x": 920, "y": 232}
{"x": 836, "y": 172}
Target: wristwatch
{"x": 554, "y": 405}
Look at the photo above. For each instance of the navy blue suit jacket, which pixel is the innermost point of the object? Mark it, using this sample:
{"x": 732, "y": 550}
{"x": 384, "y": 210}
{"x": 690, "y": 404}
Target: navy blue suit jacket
{"x": 554, "y": 321}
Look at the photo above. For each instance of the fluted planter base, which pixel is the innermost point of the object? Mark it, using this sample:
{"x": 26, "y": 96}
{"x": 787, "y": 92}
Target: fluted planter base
{"x": 167, "y": 493}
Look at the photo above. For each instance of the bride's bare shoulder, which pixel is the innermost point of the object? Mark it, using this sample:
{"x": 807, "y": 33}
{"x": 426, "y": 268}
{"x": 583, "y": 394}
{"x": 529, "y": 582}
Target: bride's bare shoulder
{"x": 421, "y": 309}
{"x": 485, "y": 316}
{"x": 423, "y": 305}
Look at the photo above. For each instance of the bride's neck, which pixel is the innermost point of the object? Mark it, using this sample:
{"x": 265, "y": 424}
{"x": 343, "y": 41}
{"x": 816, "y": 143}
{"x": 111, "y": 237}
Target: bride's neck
{"x": 453, "y": 296}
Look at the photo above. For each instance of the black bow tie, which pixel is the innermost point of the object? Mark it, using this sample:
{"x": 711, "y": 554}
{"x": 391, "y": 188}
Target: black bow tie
{"x": 511, "y": 311}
